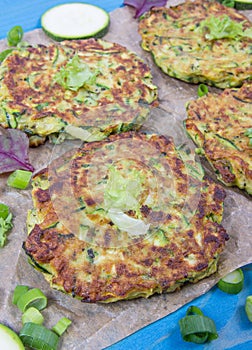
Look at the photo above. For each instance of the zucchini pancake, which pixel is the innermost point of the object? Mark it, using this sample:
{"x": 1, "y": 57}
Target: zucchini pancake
{"x": 221, "y": 126}
{"x": 124, "y": 217}
{"x": 199, "y": 41}
{"x": 94, "y": 84}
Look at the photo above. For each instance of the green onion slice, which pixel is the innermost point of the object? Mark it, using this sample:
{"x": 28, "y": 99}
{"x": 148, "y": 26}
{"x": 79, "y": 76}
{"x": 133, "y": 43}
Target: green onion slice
{"x": 38, "y": 337}
{"x": 32, "y": 315}
{"x": 194, "y": 310}
{"x": 19, "y": 179}
{"x": 4, "y": 211}
{"x": 248, "y": 307}
{"x": 233, "y": 282}
{"x": 197, "y": 328}
{"x": 61, "y": 326}
{"x": 15, "y": 35}
{"x": 202, "y": 90}
{"x": 33, "y": 297}
{"x": 18, "y": 291}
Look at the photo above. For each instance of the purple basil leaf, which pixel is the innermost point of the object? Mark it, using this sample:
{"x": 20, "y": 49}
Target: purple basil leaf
{"x": 14, "y": 145}
{"x": 143, "y": 6}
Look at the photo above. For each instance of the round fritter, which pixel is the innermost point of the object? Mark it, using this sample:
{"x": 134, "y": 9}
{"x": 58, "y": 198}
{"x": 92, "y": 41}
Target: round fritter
{"x": 123, "y": 218}
{"x": 181, "y": 49}
{"x": 221, "y": 126}
{"x": 94, "y": 84}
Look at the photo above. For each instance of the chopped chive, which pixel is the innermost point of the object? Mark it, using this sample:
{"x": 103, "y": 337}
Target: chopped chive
{"x": 194, "y": 310}
{"x": 33, "y": 297}
{"x": 233, "y": 282}
{"x": 202, "y": 90}
{"x": 18, "y": 292}
{"x": 33, "y": 334}
{"x": 32, "y": 315}
{"x": 61, "y": 326}
{"x": 38, "y": 337}
{"x": 197, "y": 328}
{"x": 19, "y": 179}
{"x": 248, "y": 307}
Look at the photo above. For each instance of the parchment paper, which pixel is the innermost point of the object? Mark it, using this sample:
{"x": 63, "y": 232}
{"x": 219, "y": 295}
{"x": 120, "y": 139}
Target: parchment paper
{"x": 98, "y": 326}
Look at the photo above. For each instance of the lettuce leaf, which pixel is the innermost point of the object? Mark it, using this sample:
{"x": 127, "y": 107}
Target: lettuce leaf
{"x": 124, "y": 222}
{"x": 14, "y": 145}
{"x": 214, "y": 28}
{"x": 121, "y": 192}
{"x": 75, "y": 74}
{"x": 121, "y": 195}
{"x": 143, "y": 6}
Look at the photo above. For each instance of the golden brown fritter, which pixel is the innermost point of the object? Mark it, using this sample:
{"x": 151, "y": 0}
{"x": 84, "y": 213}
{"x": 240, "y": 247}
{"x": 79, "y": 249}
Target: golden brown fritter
{"x": 116, "y": 95}
{"x": 221, "y": 126}
{"x": 124, "y": 218}
{"x": 182, "y": 51}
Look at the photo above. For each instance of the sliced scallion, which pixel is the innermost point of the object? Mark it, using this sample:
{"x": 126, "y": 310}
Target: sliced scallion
{"x": 196, "y": 327}
{"x": 194, "y": 310}
{"x": 248, "y": 307}
{"x": 32, "y": 315}
{"x": 233, "y": 282}
{"x": 61, "y": 326}
{"x": 202, "y": 90}
{"x": 33, "y": 297}
{"x": 18, "y": 292}
{"x": 19, "y": 179}
{"x": 38, "y": 337}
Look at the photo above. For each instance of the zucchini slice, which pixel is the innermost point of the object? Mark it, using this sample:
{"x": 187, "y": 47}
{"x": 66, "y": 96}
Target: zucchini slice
{"x": 75, "y": 21}
{"x": 243, "y": 4}
{"x": 9, "y": 339}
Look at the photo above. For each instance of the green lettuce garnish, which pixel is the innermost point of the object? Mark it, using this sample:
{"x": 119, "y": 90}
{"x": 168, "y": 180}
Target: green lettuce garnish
{"x": 75, "y": 74}
{"x": 223, "y": 27}
{"x": 124, "y": 222}
{"x": 120, "y": 192}
{"x": 5, "y": 223}
{"x": 121, "y": 195}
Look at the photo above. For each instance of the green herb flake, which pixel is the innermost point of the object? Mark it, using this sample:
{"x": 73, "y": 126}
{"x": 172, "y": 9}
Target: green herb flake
{"x": 249, "y": 134}
{"x": 40, "y": 106}
{"x": 214, "y": 28}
